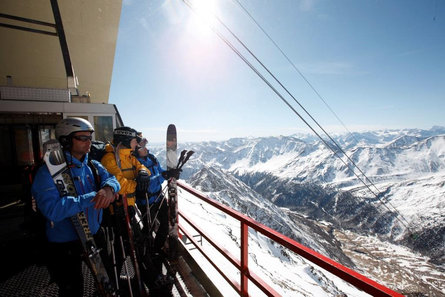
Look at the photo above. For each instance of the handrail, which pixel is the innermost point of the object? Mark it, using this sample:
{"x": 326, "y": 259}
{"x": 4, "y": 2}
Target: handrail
{"x": 347, "y": 274}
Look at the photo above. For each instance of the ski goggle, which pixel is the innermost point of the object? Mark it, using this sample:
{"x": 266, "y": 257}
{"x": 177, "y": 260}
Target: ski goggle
{"x": 143, "y": 142}
{"x": 83, "y": 138}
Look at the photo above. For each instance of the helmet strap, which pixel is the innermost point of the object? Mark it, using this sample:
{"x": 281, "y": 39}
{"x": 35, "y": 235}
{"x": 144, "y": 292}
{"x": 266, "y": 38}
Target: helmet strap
{"x": 66, "y": 142}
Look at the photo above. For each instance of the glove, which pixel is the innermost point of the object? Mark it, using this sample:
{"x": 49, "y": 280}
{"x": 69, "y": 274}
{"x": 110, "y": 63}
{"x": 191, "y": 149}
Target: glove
{"x": 143, "y": 181}
{"x": 171, "y": 173}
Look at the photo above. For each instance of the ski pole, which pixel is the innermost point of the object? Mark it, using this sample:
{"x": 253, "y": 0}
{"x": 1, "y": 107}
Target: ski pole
{"x": 157, "y": 212}
{"x": 163, "y": 192}
{"x": 113, "y": 255}
{"x": 181, "y": 157}
{"x": 149, "y": 228}
{"x": 147, "y": 209}
{"x": 133, "y": 256}
{"x": 189, "y": 154}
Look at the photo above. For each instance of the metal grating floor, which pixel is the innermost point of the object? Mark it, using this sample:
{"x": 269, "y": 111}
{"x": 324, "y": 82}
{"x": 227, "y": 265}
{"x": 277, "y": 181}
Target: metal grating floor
{"x": 35, "y": 281}
{"x": 22, "y": 265}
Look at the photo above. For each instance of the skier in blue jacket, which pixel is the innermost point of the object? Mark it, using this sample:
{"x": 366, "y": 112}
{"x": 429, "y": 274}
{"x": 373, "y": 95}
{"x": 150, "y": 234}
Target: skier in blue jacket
{"x": 154, "y": 194}
{"x": 158, "y": 206}
{"x": 95, "y": 192}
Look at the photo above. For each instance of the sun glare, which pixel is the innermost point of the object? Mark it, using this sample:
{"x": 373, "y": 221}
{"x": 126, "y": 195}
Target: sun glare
{"x": 200, "y": 58}
{"x": 203, "y": 17}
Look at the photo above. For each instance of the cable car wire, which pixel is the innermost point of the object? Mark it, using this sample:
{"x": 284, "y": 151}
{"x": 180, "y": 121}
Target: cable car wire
{"x": 378, "y": 194}
{"x": 295, "y": 68}
{"x": 399, "y": 216}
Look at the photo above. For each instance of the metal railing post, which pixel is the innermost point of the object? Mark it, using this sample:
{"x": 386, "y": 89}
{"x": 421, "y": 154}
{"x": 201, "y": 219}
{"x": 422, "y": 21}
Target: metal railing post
{"x": 244, "y": 257}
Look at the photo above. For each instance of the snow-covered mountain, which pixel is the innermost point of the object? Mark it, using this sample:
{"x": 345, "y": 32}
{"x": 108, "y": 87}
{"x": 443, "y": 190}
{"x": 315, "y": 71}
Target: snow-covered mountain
{"x": 231, "y": 191}
{"x": 286, "y": 272}
{"x": 292, "y": 183}
{"x": 397, "y": 267}
{"x": 384, "y": 155}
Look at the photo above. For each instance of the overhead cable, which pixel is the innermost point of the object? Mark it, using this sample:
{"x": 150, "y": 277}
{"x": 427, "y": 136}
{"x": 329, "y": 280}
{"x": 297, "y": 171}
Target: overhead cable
{"x": 240, "y": 55}
{"x": 378, "y": 194}
{"x": 295, "y": 68}
{"x": 298, "y": 114}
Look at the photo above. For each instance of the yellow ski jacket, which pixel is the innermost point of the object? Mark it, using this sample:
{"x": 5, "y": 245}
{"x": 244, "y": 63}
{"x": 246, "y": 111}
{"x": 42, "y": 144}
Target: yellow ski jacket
{"x": 125, "y": 167}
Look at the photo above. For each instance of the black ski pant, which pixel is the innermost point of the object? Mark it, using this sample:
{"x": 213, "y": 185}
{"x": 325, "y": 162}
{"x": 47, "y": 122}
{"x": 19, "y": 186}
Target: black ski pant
{"x": 159, "y": 213}
{"x": 65, "y": 264}
{"x": 65, "y": 267}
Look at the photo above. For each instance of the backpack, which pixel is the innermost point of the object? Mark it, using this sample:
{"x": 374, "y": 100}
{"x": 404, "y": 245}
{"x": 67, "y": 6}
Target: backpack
{"x": 97, "y": 150}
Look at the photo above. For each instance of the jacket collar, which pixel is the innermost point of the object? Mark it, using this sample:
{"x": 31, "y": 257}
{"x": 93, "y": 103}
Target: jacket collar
{"x": 70, "y": 160}
{"x": 125, "y": 151}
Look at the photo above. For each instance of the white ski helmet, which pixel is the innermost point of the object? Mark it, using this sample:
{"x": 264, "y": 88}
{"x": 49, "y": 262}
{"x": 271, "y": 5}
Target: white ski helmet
{"x": 66, "y": 127}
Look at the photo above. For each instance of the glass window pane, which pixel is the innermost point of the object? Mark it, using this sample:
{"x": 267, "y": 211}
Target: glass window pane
{"x": 5, "y": 147}
{"x": 23, "y": 145}
{"x": 103, "y": 128}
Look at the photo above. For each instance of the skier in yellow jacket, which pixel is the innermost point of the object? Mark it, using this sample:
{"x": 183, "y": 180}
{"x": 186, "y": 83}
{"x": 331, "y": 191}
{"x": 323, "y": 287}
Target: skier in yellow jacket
{"x": 120, "y": 162}
{"x": 132, "y": 176}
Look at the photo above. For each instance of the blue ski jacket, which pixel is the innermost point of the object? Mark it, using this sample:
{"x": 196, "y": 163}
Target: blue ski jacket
{"x": 58, "y": 210}
{"x": 156, "y": 178}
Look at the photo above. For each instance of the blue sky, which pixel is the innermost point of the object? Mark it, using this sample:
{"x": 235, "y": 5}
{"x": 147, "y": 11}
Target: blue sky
{"x": 378, "y": 64}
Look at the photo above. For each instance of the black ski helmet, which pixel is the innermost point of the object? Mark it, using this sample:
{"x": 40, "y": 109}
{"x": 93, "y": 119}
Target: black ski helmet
{"x": 124, "y": 135}
{"x": 66, "y": 127}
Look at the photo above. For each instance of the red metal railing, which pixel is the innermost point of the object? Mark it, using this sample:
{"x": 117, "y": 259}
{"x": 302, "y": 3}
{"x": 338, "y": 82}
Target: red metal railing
{"x": 349, "y": 275}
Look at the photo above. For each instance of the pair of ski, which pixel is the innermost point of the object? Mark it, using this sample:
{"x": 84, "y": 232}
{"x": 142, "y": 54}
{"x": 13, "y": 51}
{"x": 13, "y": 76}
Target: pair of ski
{"x": 172, "y": 158}
{"x": 172, "y": 188}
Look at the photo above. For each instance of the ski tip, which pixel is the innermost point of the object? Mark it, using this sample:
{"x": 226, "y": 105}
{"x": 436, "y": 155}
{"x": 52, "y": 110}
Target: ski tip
{"x": 171, "y": 131}
{"x": 171, "y": 127}
{"x": 172, "y": 141}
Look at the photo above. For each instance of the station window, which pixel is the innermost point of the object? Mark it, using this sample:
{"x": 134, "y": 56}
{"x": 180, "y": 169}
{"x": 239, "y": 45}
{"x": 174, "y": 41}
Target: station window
{"x": 103, "y": 128}
{"x": 23, "y": 145}
{"x": 6, "y": 156}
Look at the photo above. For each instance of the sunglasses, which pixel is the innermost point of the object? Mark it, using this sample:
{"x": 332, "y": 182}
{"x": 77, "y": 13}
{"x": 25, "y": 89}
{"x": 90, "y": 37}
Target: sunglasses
{"x": 83, "y": 138}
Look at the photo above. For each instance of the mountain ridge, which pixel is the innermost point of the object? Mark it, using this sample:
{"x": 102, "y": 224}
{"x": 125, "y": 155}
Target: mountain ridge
{"x": 399, "y": 163}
